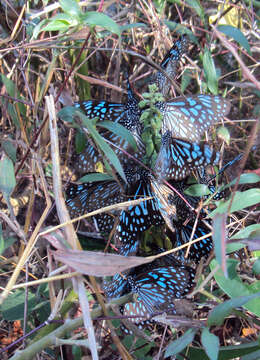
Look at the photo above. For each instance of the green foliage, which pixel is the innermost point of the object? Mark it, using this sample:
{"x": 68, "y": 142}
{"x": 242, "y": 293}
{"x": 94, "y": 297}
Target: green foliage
{"x": 233, "y": 286}
{"x": 210, "y": 343}
{"x": 95, "y": 177}
{"x": 13, "y": 307}
{"x": 73, "y": 17}
{"x": 80, "y": 141}
{"x": 240, "y": 201}
{"x": 152, "y": 120}
{"x": 210, "y": 72}
{"x": 7, "y": 182}
{"x": 178, "y": 345}
{"x": 12, "y": 91}
{"x": 237, "y": 35}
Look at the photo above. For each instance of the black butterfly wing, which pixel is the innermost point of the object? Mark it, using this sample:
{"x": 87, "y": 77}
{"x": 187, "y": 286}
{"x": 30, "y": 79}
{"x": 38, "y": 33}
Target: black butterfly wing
{"x": 137, "y": 219}
{"x": 170, "y": 64}
{"x": 197, "y": 250}
{"x": 126, "y": 115}
{"x": 103, "y": 110}
{"x": 189, "y": 117}
{"x": 89, "y": 158}
{"x": 84, "y": 198}
{"x": 159, "y": 287}
{"x": 117, "y": 287}
{"x": 177, "y": 158}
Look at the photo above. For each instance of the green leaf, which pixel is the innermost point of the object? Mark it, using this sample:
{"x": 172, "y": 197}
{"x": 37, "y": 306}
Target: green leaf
{"x": 241, "y": 201}
{"x": 9, "y": 86}
{"x": 178, "y": 345}
{"x": 10, "y": 149}
{"x": 38, "y": 28}
{"x": 237, "y": 35}
{"x": 60, "y": 22}
{"x": 67, "y": 114}
{"x": 225, "y": 353}
{"x": 210, "y": 343}
{"x": 95, "y": 177}
{"x": 80, "y": 141}
{"x": 109, "y": 153}
{"x": 197, "y": 190}
{"x": 12, "y": 90}
{"x": 131, "y": 26}
{"x": 221, "y": 311}
{"x": 246, "y": 232}
{"x": 119, "y": 130}
{"x": 234, "y": 287}
{"x": 256, "y": 267}
{"x": 100, "y": 19}
{"x": 253, "y": 356}
{"x": 232, "y": 247}
{"x": 195, "y": 4}
{"x": 6, "y": 243}
{"x": 219, "y": 238}
{"x": 249, "y": 178}
{"x": 7, "y": 178}
{"x": 210, "y": 72}
{"x": 224, "y": 134}
{"x": 13, "y": 307}
{"x": 181, "y": 29}
{"x": 70, "y": 7}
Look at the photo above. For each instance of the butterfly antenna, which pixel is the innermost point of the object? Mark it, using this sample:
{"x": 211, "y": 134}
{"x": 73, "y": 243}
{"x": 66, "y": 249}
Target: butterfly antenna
{"x": 237, "y": 158}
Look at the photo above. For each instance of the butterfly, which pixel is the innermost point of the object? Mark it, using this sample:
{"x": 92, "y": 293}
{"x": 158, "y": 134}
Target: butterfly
{"x": 177, "y": 158}
{"x": 170, "y": 64}
{"x": 119, "y": 285}
{"x": 137, "y": 218}
{"x": 87, "y": 197}
{"x": 158, "y": 287}
{"x": 189, "y": 117}
{"x": 182, "y": 235}
{"x": 116, "y": 287}
{"x": 205, "y": 178}
{"x": 164, "y": 196}
{"x": 127, "y": 115}
{"x": 134, "y": 309}
{"x": 136, "y": 314}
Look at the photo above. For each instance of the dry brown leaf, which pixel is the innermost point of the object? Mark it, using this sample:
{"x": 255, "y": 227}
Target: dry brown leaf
{"x": 98, "y": 264}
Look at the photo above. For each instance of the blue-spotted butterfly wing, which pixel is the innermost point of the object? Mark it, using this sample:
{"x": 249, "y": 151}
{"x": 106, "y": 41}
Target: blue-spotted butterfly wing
{"x": 170, "y": 64}
{"x": 163, "y": 196}
{"x": 189, "y": 117}
{"x": 131, "y": 311}
{"x": 117, "y": 287}
{"x": 137, "y": 219}
{"x": 158, "y": 288}
{"x": 87, "y": 161}
{"x": 127, "y": 115}
{"x": 103, "y": 110}
{"x": 177, "y": 158}
{"x": 87, "y": 197}
{"x": 197, "y": 250}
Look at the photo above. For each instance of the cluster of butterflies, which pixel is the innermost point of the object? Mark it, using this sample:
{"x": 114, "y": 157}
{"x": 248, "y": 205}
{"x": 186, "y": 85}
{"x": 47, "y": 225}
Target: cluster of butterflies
{"x": 184, "y": 121}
